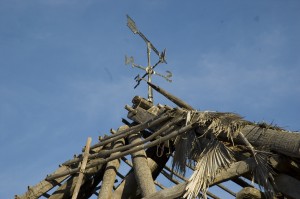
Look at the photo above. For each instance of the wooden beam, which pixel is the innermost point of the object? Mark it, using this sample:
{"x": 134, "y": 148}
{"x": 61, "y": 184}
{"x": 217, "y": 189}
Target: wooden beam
{"x": 249, "y": 192}
{"x": 171, "y": 97}
{"x": 236, "y": 169}
{"x": 283, "y": 142}
{"x": 82, "y": 168}
{"x": 110, "y": 173}
{"x": 67, "y": 188}
{"x": 142, "y": 171}
{"x": 288, "y": 185}
{"x": 122, "y": 134}
{"x": 141, "y": 102}
{"x": 128, "y": 188}
{"x": 44, "y": 186}
{"x": 129, "y": 163}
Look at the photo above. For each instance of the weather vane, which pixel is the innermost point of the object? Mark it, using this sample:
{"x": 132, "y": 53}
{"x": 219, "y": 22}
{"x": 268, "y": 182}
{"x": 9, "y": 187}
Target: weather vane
{"x": 149, "y": 69}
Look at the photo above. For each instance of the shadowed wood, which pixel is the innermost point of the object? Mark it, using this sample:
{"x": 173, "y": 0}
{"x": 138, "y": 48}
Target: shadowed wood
{"x": 67, "y": 188}
{"x": 288, "y": 185}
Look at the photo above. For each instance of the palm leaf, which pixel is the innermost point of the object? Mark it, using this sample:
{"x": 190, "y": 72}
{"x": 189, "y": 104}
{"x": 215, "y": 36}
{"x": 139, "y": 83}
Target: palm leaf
{"x": 214, "y": 157}
{"x": 263, "y": 173}
{"x": 187, "y": 147}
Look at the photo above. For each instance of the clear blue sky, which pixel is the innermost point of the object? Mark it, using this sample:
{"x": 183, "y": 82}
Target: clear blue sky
{"x": 63, "y": 78}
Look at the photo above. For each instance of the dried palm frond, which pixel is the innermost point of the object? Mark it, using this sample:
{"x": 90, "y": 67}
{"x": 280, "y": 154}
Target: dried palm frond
{"x": 187, "y": 147}
{"x": 263, "y": 173}
{"x": 217, "y": 123}
{"x": 214, "y": 157}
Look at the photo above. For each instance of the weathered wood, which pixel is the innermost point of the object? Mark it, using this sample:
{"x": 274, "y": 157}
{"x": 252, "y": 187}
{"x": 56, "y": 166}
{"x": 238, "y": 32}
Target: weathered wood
{"x": 284, "y": 164}
{"x": 140, "y": 115}
{"x": 171, "y": 97}
{"x": 90, "y": 186}
{"x": 66, "y": 189}
{"x": 141, "y": 102}
{"x": 142, "y": 171}
{"x": 288, "y": 185}
{"x": 44, "y": 186}
{"x": 122, "y": 134}
{"x": 170, "y": 177}
{"x": 283, "y": 142}
{"x": 170, "y": 193}
{"x": 128, "y": 188}
{"x": 129, "y": 163}
{"x": 117, "y": 156}
{"x": 110, "y": 173}
{"x": 249, "y": 192}
{"x": 82, "y": 168}
{"x": 236, "y": 169}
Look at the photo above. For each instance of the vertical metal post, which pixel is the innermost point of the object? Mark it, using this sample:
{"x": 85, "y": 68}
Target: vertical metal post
{"x": 149, "y": 70}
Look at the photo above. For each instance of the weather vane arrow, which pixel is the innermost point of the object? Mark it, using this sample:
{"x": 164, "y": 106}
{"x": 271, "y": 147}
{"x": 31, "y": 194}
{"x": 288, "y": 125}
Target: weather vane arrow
{"x": 149, "y": 69}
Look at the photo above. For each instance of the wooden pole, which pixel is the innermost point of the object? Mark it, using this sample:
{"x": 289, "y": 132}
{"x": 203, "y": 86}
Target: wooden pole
{"x": 171, "y": 97}
{"x": 44, "y": 186}
{"x": 249, "y": 192}
{"x": 141, "y": 169}
{"x": 117, "y": 156}
{"x": 82, "y": 168}
{"x": 131, "y": 145}
{"x": 110, "y": 173}
{"x": 129, "y": 163}
{"x": 67, "y": 188}
{"x": 122, "y": 134}
{"x": 128, "y": 188}
{"x": 236, "y": 169}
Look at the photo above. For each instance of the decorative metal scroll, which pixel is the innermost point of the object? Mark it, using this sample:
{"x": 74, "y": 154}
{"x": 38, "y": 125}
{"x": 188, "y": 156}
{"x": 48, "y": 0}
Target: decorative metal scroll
{"x": 149, "y": 69}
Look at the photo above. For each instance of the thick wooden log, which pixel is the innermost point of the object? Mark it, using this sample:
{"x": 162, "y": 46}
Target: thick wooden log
{"x": 129, "y": 163}
{"x": 44, "y": 186}
{"x": 249, "y": 192}
{"x": 82, "y": 168}
{"x": 110, "y": 173}
{"x": 141, "y": 102}
{"x": 236, "y": 169}
{"x": 283, "y": 142}
{"x": 170, "y": 177}
{"x": 288, "y": 185}
{"x": 128, "y": 188}
{"x": 142, "y": 171}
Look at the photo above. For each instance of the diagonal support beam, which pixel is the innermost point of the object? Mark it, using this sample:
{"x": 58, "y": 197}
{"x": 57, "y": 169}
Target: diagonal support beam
{"x": 82, "y": 168}
{"x": 236, "y": 169}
